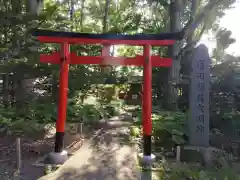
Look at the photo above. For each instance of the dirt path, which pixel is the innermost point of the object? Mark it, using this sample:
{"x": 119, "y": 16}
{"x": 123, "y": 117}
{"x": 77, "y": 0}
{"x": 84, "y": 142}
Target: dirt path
{"x": 108, "y": 156}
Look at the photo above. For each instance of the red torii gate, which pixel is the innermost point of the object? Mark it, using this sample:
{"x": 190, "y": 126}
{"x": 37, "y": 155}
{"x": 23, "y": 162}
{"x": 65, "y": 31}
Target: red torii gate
{"x": 65, "y": 57}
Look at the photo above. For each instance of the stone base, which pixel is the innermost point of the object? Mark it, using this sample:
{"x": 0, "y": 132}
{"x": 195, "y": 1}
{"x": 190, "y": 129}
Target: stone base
{"x": 146, "y": 161}
{"x": 56, "y": 158}
{"x": 207, "y": 156}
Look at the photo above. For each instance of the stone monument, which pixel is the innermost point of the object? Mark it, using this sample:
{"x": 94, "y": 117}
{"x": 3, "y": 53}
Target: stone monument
{"x": 199, "y": 97}
{"x": 198, "y": 122}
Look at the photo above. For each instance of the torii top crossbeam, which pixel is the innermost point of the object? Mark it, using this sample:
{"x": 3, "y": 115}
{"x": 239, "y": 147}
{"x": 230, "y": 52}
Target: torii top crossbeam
{"x": 162, "y": 39}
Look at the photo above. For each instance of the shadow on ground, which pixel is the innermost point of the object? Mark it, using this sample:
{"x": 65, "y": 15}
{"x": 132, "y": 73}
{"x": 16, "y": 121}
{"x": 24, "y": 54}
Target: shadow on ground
{"x": 112, "y": 157}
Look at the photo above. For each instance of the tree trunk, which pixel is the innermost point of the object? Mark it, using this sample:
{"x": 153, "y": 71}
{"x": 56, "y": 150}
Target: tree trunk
{"x": 82, "y": 97}
{"x": 34, "y": 6}
{"x": 171, "y": 92}
{"x": 105, "y": 16}
{"x": 5, "y": 89}
{"x": 82, "y": 15}
{"x": 106, "y": 48}
{"x": 54, "y": 88}
{"x": 20, "y": 95}
{"x": 188, "y": 55}
{"x": 71, "y": 5}
{"x": 16, "y": 10}
{"x": 19, "y": 91}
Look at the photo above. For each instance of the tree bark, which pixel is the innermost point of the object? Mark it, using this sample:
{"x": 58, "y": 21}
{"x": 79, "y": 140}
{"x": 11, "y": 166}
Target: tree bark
{"x": 171, "y": 92}
{"x": 71, "y": 14}
{"x": 106, "y": 48}
{"x": 19, "y": 91}
{"x": 54, "y": 88}
{"x": 82, "y": 15}
{"x": 105, "y": 16}
{"x": 5, "y": 89}
{"x": 16, "y": 10}
{"x": 34, "y": 6}
{"x": 188, "y": 55}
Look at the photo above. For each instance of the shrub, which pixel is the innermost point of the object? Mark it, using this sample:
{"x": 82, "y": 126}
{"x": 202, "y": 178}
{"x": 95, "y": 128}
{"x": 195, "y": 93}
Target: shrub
{"x": 184, "y": 171}
{"x": 168, "y": 127}
{"x": 39, "y": 114}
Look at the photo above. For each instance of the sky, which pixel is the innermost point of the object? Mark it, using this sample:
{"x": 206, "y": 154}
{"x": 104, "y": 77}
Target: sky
{"x": 231, "y": 22}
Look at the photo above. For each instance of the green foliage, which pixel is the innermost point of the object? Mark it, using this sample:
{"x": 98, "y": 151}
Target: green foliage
{"x": 184, "y": 171}
{"x": 234, "y": 115}
{"x": 12, "y": 123}
{"x": 106, "y": 93}
{"x": 135, "y": 131}
{"x": 233, "y": 121}
{"x": 39, "y": 114}
{"x": 167, "y": 126}
{"x": 223, "y": 41}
